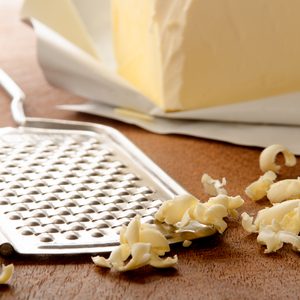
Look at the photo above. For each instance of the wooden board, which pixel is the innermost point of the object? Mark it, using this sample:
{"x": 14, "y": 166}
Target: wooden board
{"x": 229, "y": 267}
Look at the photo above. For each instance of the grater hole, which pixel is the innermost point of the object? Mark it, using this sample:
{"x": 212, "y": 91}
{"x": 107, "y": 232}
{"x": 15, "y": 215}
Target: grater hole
{"x": 63, "y": 182}
{"x": 32, "y": 191}
{"x": 93, "y": 173}
{"x": 74, "y": 196}
{"x": 46, "y": 176}
{"x": 21, "y": 207}
{"x": 70, "y": 175}
{"x": 71, "y": 236}
{"x": 18, "y": 159}
{"x": 4, "y": 202}
{"x": 108, "y": 217}
{"x": 83, "y": 219}
{"x": 51, "y": 229}
{"x": 96, "y": 233}
{"x": 39, "y": 214}
{"x": 33, "y": 223}
{"x": 98, "y": 194}
{"x": 120, "y": 192}
{"x": 142, "y": 199}
{"x": 46, "y": 238}
{"x": 27, "y": 231}
{"x": 99, "y": 167}
{"x": 119, "y": 201}
{"x": 88, "y": 155}
{"x": 47, "y": 151}
{"x": 63, "y": 212}
{"x": 45, "y": 206}
{"x": 56, "y": 189}
{"x": 77, "y": 227}
{"x": 14, "y": 216}
{"x": 58, "y": 220}
{"x": 151, "y": 221}
{"x": 70, "y": 204}
{"x": 51, "y": 198}
{"x": 94, "y": 202}
{"x": 40, "y": 157}
{"x": 23, "y": 152}
{"x": 28, "y": 171}
{"x": 88, "y": 181}
{"x": 81, "y": 188}
{"x": 82, "y": 161}
{"x": 15, "y": 185}
{"x": 39, "y": 183}
{"x": 113, "y": 208}
{"x": 102, "y": 225}
{"x": 11, "y": 165}
{"x": 5, "y": 172}
{"x": 8, "y": 194}
{"x": 125, "y": 223}
{"x": 137, "y": 206}
{"x": 64, "y": 156}
{"x": 76, "y": 168}
{"x": 87, "y": 210}
{"x": 130, "y": 215}
{"x": 34, "y": 164}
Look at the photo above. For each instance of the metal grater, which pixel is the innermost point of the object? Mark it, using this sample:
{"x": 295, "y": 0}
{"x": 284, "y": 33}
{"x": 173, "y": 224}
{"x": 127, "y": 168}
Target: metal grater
{"x": 68, "y": 187}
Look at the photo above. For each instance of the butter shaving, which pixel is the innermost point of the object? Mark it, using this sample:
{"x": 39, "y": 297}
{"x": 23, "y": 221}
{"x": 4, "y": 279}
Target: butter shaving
{"x": 276, "y": 225}
{"x": 186, "y": 213}
{"x": 213, "y": 187}
{"x": 268, "y": 157}
{"x": 143, "y": 243}
{"x": 259, "y": 188}
{"x": 7, "y": 273}
{"x": 283, "y": 190}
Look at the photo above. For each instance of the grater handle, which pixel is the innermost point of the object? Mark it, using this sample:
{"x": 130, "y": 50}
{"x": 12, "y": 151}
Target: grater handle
{"x": 17, "y": 95}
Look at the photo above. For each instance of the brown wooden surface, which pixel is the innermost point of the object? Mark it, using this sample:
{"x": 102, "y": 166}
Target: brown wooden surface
{"x": 229, "y": 267}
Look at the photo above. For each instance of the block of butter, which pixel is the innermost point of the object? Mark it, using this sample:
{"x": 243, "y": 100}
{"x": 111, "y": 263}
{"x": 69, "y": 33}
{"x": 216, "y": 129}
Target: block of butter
{"x": 188, "y": 54}
{"x": 175, "y": 56}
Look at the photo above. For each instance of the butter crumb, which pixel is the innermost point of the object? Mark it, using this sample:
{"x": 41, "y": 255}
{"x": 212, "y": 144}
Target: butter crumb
{"x": 259, "y": 188}
{"x": 7, "y": 273}
{"x": 213, "y": 187}
{"x": 187, "y": 243}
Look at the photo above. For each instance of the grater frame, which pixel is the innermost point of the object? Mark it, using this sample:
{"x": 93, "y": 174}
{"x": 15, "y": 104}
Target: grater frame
{"x": 67, "y": 187}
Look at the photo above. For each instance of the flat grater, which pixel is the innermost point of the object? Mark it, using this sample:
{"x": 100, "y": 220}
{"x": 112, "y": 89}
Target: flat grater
{"x": 68, "y": 187}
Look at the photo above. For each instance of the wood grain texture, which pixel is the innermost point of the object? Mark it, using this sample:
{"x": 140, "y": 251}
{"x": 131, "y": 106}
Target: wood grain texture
{"x": 229, "y": 267}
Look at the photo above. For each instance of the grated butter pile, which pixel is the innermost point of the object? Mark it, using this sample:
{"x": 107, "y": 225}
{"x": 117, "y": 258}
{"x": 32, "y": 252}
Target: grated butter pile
{"x": 280, "y": 223}
{"x": 143, "y": 243}
{"x": 276, "y": 225}
{"x": 186, "y": 213}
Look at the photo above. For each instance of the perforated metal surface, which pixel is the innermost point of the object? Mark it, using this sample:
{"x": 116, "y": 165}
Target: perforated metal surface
{"x": 67, "y": 191}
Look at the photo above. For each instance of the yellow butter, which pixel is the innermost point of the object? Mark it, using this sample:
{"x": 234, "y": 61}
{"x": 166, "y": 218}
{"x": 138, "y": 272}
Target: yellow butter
{"x": 196, "y": 53}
